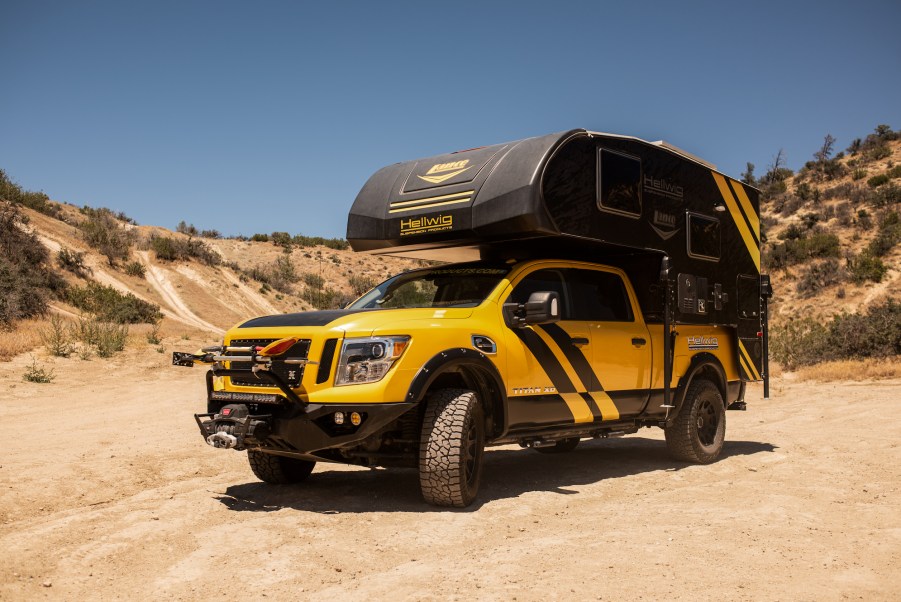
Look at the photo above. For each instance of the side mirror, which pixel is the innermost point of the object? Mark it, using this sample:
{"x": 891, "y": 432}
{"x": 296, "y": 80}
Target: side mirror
{"x": 543, "y": 307}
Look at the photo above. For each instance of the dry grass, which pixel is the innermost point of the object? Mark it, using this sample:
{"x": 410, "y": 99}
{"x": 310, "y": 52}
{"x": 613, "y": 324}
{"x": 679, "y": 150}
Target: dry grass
{"x": 24, "y": 337}
{"x": 853, "y": 370}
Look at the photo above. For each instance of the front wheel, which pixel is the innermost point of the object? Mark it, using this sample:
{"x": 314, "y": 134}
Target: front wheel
{"x": 698, "y": 433}
{"x": 278, "y": 470}
{"x": 451, "y": 448}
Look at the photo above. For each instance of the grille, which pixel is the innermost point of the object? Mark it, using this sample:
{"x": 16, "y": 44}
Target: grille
{"x": 290, "y": 373}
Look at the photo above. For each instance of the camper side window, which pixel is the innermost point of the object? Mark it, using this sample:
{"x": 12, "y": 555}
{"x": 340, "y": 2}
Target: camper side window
{"x": 703, "y": 237}
{"x": 619, "y": 183}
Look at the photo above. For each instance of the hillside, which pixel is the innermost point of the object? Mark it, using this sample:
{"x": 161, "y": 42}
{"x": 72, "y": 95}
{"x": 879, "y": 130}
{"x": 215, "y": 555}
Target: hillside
{"x": 202, "y": 286}
{"x": 831, "y": 231}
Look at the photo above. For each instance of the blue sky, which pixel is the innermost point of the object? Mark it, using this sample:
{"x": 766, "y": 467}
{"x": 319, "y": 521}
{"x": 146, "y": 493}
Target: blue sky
{"x": 256, "y": 117}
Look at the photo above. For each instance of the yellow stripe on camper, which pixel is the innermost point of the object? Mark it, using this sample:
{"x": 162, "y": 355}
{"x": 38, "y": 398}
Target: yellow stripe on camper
{"x": 739, "y": 220}
{"x": 749, "y": 364}
{"x": 432, "y": 201}
{"x": 745, "y": 202}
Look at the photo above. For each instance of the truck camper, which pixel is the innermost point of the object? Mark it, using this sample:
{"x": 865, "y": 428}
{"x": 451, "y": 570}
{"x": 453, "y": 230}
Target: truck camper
{"x": 584, "y": 285}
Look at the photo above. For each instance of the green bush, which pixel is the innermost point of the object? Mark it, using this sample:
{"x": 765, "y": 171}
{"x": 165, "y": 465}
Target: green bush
{"x": 877, "y": 181}
{"x": 36, "y": 374}
{"x": 103, "y": 231}
{"x": 818, "y": 276}
{"x": 793, "y": 232}
{"x": 894, "y": 172}
{"x": 888, "y": 236}
{"x": 153, "y": 337}
{"x": 135, "y": 268}
{"x": 800, "y": 342}
{"x": 72, "y": 261}
{"x": 804, "y": 341}
{"x": 184, "y": 228}
{"x": 874, "y": 334}
{"x": 26, "y": 281}
{"x": 361, "y": 284}
{"x": 321, "y": 298}
{"x": 15, "y": 194}
{"x": 281, "y": 238}
{"x": 56, "y": 337}
{"x": 886, "y": 195}
{"x": 794, "y": 251}
{"x": 858, "y": 174}
{"x": 879, "y": 152}
{"x": 260, "y": 238}
{"x": 805, "y": 191}
{"x": 110, "y": 305}
{"x": 866, "y": 267}
{"x": 106, "y": 337}
{"x": 339, "y": 244}
{"x": 282, "y": 274}
{"x": 174, "y": 249}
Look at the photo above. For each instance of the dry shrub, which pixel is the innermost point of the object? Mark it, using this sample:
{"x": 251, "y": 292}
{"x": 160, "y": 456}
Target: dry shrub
{"x": 24, "y": 337}
{"x": 853, "y": 370}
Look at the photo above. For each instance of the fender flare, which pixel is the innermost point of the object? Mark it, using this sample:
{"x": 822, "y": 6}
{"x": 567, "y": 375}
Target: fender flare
{"x": 453, "y": 360}
{"x": 701, "y": 364}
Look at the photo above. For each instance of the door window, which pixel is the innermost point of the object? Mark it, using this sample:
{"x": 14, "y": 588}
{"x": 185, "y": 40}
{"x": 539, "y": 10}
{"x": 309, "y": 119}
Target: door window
{"x": 598, "y": 296}
{"x": 540, "y": 281}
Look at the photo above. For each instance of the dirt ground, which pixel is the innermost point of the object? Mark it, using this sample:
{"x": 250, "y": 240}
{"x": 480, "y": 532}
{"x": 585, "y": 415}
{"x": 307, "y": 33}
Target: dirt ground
{"x": 107, "y": 492}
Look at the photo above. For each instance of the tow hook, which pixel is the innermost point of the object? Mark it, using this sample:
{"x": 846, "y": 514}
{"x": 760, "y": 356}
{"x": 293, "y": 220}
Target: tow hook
{"x": 222, "y": 440}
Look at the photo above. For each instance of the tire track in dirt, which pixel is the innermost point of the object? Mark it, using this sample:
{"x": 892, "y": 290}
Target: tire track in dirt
{"x": 160, "y": 282}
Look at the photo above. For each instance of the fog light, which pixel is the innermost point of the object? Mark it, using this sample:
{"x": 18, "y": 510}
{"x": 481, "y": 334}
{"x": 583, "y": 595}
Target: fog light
{"x": 339, "y": 417}
{"x": 355, "y": 419}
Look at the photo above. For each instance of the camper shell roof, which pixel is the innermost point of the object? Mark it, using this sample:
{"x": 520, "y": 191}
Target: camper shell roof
{"x": 576, "y": 194}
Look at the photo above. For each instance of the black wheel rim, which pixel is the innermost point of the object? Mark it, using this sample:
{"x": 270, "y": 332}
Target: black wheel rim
{"x": 471, "y": 452}
{"x": 708, "y": 423}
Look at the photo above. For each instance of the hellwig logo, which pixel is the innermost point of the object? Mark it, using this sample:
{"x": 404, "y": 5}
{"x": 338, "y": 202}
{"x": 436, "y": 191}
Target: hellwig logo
{"x": 662, "y": 187}
{"x": 421, "y": 225}
{"x": 702, "y": 342}
{"x": 445, "y": 171}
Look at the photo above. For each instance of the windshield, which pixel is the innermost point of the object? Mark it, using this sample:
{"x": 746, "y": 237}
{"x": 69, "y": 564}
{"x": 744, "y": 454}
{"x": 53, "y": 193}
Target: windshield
{"x": 462, "y": 285}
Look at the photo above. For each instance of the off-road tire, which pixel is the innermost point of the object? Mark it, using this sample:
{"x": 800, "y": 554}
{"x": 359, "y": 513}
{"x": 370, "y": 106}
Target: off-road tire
{"x": 699, "y": 430}
{"x": 278, "y": 470}
{"x": 451, "y": 448}
{"x": 561, "y": 447}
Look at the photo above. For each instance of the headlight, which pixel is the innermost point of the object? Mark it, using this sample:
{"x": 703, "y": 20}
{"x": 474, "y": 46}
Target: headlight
{"x": 367, "y": 360}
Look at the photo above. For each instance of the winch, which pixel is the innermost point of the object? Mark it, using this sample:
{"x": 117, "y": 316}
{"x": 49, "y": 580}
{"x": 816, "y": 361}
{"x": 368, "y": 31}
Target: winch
{"x": 233, "y": 427}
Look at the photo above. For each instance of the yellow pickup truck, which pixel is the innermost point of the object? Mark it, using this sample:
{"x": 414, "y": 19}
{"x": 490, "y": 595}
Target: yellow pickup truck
{"x": 604, "y": 284}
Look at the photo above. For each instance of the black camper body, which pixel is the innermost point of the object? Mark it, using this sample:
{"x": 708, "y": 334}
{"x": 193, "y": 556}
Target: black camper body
{"x": 611, "y": 199}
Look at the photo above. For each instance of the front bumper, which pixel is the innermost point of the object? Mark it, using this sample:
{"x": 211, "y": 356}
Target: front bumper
{"x": 302, "y": 430}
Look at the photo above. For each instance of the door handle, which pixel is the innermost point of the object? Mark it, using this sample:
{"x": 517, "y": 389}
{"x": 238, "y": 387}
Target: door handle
{"x": 638, "y": 341}
{"x": 579, "y": 341}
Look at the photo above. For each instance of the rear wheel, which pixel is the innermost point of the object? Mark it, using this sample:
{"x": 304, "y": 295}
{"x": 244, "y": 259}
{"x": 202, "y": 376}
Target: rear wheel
{"x": 278, "y": 470}
{"x": 451, "y": 448}
{"x": 561, "y": 447}
{"x": 698, "y": 433}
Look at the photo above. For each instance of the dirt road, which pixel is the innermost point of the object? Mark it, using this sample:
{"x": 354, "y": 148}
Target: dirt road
{"x": 107, "y": 492}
